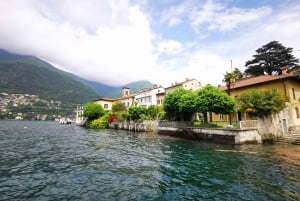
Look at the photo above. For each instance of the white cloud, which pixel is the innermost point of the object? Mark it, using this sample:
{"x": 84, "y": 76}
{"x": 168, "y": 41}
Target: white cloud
{"x": 114, "y": 54}
{"x": 113, "y": 42}
{"x": 175, "y": 14}
{"x": 171, "y": 47}
{"x": 214, "y": 15}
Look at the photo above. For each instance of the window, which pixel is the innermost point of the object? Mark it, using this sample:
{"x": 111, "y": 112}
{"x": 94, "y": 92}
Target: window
{"x": 105, "y": 106}
{"x": 297, "y": 113}
{"x": 221, "y": 117}
{"x": 294, "y": 93}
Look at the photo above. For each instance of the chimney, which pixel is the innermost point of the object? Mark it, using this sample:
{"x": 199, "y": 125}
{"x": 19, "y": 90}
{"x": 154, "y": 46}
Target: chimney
{"x": 284, "y": 70}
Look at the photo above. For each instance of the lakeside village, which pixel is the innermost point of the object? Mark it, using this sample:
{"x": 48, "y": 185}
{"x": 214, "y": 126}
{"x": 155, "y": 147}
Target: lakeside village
{"x": 284, "y": 125}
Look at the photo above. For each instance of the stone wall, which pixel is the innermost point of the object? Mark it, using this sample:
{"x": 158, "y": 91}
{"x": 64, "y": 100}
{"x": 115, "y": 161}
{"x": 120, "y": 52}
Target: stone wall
{"x": 217, "y": 135}
{"x": 276, "y": 125}
{"x": 144, "y": 126}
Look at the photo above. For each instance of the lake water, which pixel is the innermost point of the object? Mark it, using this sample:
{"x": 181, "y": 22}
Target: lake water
{"x": 48, "y": 161}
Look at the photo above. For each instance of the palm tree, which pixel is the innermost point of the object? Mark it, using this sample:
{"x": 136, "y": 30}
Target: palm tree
{"x": 229, "y": 79}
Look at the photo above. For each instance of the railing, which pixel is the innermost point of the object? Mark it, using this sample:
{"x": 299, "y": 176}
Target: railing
{"x": 248, "y": 124}
{"x": 174, "y": 124}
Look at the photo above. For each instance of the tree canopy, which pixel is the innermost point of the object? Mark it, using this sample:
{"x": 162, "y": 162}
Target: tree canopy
{"x": 260, "y": 102}
{"x": 180, "y": 104}
{"x": 269, "y": 59}
{"x": 212, "y": 99}
{"x": 118, "y": 107}
{"x": 136, "y": 112}
{"x": 93, "y": 111}
{"x": 238, "y": 74}
{"x": 229, "y": 79}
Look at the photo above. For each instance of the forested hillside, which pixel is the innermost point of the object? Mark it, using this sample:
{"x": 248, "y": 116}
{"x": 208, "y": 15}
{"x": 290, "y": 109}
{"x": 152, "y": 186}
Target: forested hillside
{"x": 30, "y": 75}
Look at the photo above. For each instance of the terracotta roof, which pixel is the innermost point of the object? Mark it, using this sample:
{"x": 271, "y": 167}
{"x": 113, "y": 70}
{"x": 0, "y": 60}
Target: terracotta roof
{"x": 105, "y": 99}
{"x": 125, "y": 97}
{"x": 180, "y": 83}
{"x": 254, "y": 80}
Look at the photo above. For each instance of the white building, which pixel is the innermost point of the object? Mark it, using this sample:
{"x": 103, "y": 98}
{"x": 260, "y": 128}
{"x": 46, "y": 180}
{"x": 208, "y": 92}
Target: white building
{"x": 150, "y": 96}
{"x": 80, "y": 119}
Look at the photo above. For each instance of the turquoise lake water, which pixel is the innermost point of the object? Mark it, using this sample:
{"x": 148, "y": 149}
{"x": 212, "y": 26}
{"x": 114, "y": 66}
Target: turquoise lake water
{"x": 48, "y": 161}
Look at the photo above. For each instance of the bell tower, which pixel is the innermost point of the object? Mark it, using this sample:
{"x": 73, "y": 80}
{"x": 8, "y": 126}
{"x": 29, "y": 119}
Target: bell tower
{"x": 125, "y": 91}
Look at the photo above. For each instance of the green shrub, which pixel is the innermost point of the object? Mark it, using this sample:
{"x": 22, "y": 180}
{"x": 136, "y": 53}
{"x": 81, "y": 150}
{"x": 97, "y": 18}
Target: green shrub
{"x": 99, "y": 123}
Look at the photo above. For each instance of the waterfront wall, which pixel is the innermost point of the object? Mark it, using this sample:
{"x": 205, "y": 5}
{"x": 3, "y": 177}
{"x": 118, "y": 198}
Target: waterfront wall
{"x": 144, "y": 126}
{"x": 217, "y": 135}
{"x": 277, "y": 125}
{"x": 180, "y": 129}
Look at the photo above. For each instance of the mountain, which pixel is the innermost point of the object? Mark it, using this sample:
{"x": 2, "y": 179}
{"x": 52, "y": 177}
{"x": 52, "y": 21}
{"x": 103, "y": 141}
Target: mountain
{"x": 30, "y": 75}
{"x": 114, "y": 92}
{"x": 21, "y": 74}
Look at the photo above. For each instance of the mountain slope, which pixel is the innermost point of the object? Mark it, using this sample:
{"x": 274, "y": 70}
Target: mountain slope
{"x": 114, "y": 92}
{"x": 34, "y": 76}
{"x": 34, "y": 89}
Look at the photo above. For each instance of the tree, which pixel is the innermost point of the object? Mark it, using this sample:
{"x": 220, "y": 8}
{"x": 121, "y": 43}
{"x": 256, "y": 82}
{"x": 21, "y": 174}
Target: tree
{"x": 136, "y": 112}
{"x": 260, "y": 102}
{"x": 269, "y": 59}
{"x": 152, "y": 111}
{"x": 93, "y": 111}
{"x": 238, "y": 74}
{"x": 212, "y": 99}
{"x": 229, "y": 79}
{"x": 118, "y": 107}
{"x": 180, "y": 104}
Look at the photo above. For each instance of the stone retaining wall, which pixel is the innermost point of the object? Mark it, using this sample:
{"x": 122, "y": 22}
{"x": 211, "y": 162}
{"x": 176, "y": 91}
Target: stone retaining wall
{"x": 224, "y": 136}
{"x": 145, "y": 126}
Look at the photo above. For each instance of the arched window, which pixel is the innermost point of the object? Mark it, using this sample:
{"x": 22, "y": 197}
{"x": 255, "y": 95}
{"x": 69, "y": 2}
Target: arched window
{"x": 297, "y": 112}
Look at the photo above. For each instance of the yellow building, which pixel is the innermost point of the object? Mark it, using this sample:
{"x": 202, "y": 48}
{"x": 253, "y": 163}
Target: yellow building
{"x": 287, "y": 85}
{"x": 188, "y": 84}
{"x": 127, "y": 99}
{"x": 106, "y": 103}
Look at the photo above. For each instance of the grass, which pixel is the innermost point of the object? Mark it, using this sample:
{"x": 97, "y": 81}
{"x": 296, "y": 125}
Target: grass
{"x": 214, "y": 124}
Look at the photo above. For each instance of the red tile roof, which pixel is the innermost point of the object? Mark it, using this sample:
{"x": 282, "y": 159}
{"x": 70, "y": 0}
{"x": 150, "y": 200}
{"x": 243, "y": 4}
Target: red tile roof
{"x": 106, "y": 99}
{"x": 176, "y": 84}
{"x": 255, "y": 80}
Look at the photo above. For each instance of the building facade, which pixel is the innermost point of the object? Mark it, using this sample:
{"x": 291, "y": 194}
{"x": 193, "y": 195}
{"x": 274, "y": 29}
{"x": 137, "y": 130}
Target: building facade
{"x": 150, "y": 96}
{"x": 287, "y": 85}
{"x": 188, "y": 84}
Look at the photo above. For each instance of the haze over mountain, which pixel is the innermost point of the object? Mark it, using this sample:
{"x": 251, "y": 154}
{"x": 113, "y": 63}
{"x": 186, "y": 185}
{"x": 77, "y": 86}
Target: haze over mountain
{"x": 29, "y": 74}
{"x": 35, "y": 89}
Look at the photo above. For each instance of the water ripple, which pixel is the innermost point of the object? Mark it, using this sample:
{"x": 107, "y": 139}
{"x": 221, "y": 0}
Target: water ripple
{"x": 46, "y": 161}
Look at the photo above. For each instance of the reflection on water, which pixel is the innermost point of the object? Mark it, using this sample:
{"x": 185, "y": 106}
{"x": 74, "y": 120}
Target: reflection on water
{"x": 46, "y": 161}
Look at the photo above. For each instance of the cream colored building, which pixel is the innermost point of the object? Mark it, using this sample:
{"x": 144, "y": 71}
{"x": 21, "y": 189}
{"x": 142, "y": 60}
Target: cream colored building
{"x": 127, "y": 99}
{"x": 188, "y": 84}
{"x": 150, "y": 96}
{"x": 287, "y": 85}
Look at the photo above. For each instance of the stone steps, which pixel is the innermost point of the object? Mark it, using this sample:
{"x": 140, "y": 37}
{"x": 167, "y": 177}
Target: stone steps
{"x": 291, "y": 139}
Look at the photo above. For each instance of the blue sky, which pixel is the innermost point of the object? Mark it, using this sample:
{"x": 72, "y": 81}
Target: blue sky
{"x": 117, "y": 42}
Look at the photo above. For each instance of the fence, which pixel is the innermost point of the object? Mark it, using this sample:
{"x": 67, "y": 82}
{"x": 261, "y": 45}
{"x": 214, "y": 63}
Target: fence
{"x": 174, "y": 124}
{"x": 248, "y": 124}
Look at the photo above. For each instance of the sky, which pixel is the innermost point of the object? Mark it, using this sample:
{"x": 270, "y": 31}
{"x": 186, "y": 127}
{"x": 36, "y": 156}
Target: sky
{"x": 118, "y": 42}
